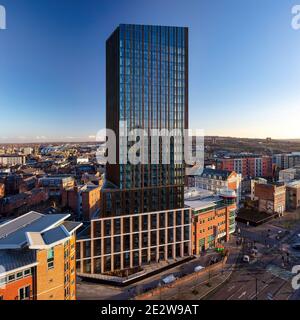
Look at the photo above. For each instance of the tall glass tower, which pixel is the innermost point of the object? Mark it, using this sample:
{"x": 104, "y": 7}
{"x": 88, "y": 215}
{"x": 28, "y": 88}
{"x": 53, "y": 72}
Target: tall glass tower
{"x": 143, "y": 219}
{"x": 147, "y": 86}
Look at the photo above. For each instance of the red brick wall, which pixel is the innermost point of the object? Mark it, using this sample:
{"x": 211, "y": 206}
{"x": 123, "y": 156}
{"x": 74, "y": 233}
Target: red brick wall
{"x": 11, "y": 290}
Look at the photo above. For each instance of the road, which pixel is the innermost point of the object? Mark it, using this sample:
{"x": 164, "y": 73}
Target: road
{"x": 269, "y": 275}
{"x": 96, "y": 291}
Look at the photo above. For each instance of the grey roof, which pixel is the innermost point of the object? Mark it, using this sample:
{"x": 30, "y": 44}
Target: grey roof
{"x": 224, "y": 174}
{"x": 54, "y": 235}
{"x": 14, "y": 259}
{"x": 71, "y": 225}
{"x": 13, "y": 225}
{"x": 13, "y": 233}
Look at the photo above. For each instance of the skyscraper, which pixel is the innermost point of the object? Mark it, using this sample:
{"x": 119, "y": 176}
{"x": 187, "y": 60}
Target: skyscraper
{"x": 143, "y": 219}
{"x": 147, "y": 86}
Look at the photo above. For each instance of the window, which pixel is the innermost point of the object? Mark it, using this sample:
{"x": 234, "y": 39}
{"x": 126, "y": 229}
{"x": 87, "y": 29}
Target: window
{"x": 24, "y": 293}
{"x": 19, "y": 275}
{"x": 50, "y": 258}
{"x": 27, "y": 272}
{"x": 11, "y": 278}
{"x": 1, "y": 298}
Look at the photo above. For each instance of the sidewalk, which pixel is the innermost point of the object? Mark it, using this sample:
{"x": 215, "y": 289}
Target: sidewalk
{"x": 208, "y": 280}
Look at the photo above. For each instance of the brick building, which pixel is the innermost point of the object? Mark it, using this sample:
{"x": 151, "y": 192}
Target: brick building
{"x": 249, "y": 166}
{"x": 271, "y": 197}
{"x": 213, "y": 219}
{"x": 83, "y": 200}
{"x": 37, "y": 258}
{"x": 23, "y": 201}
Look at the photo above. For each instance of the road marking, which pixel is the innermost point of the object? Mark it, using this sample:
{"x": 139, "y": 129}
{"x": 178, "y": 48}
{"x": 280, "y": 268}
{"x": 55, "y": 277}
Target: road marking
{"x": 230, "y": 288}
{"x": 243, "y": 294}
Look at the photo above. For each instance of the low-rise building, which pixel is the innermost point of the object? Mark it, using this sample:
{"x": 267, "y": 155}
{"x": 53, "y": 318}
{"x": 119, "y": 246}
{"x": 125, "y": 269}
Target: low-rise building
{"x": 21, "y": 202}
{"x": 288, "y": 175}
{"x": 213, "y": 218}
{"x": 37, "y": 258}
{"x": 9, "y": 160}
{"x": 271, "y": 197}
{"x": 217, "y": 180}
{"x": 83, "y": 200}
{"x": 56, "y": 184}
{"x": 253, "y": 182}
{"x": 293, "y": 195}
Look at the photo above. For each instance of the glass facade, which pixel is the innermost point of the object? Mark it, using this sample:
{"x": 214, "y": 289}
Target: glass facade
{"x": 147, "y": 81}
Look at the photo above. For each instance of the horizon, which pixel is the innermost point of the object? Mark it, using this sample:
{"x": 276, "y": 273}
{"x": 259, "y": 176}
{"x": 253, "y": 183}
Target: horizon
{"x": 242, "y": 78}
{"x": 95, "y": 141}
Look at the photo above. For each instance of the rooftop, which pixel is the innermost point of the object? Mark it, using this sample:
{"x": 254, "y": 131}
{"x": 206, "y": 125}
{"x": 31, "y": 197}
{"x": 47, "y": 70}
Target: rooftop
{"x": 13, "y": 233}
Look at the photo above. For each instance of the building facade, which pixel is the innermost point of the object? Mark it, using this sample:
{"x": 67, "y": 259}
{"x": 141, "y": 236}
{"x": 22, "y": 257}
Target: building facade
{"x": 9, "y": 160}
{"x": 217, "y": 180}
{"x": 129, "y": 241}
{"x": 213, "y": 220}
{"x": 248, "y": 166}
{"x": 147, "y": 87}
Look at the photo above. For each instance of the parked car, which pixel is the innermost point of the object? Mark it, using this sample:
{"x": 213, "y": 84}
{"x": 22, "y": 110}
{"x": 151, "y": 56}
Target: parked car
{"x": 198, "y": 268}
{"x": 169, "y": 279}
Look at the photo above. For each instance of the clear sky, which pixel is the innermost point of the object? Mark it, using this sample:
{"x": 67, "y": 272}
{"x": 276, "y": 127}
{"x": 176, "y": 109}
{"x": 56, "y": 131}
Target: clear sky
{"x": 244, "y": 65}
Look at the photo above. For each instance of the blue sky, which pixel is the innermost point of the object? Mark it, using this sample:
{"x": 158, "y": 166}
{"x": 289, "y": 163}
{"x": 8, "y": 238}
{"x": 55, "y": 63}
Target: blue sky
{"x": 244, "y": 65}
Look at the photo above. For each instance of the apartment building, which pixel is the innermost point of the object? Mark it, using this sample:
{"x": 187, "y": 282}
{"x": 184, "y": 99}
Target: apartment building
{"x": 249, "y": 165}
{"x": 290, "y": 174}
{"x": 286, "y": 160}
{"x": 213, "y": 219}
{"x": 217, "y": 180}
{"x": 37, "y": 257}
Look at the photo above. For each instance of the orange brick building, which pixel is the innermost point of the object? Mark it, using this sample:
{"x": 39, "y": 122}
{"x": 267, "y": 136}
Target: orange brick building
{"x": 213, "y": 220}
{"x": 38, "y": 258}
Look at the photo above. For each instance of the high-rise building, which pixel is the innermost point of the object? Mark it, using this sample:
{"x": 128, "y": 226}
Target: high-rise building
{"x": 143, "y": 218}
{"x": 147, "y": 86}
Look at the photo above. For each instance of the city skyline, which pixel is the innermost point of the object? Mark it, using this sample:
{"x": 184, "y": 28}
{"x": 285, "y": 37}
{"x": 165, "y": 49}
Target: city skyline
{"x": 53, "y": 67}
